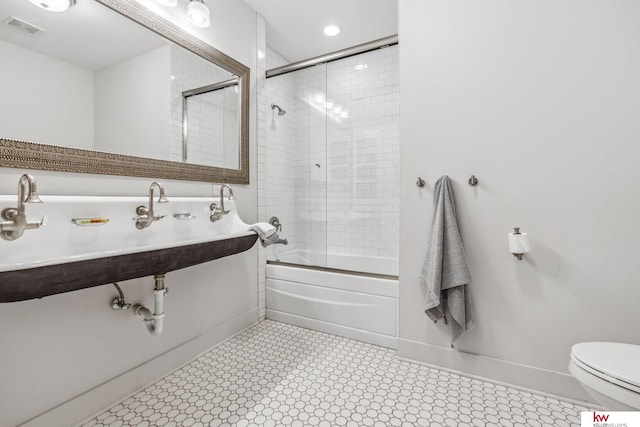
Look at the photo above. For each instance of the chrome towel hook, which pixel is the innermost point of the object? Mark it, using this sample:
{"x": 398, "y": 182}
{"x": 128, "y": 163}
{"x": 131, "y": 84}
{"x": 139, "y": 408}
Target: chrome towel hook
{"x": 473, "y": 181}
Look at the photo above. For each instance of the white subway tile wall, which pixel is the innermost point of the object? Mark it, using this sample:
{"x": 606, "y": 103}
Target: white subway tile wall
{"x": 209, "y": 127}
{"x": 310, "y": 166}
{"x": 333, "y": 159}
{"x": 280, "y": 154}
{"x": 363, "y": 155}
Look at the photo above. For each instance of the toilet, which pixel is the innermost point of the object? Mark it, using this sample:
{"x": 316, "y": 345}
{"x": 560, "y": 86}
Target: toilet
{"x": 610, "y": 372}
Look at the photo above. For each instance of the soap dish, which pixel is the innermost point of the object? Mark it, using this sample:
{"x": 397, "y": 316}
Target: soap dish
{"x": 183, "y": 216}
{"x": 89, "y": 221}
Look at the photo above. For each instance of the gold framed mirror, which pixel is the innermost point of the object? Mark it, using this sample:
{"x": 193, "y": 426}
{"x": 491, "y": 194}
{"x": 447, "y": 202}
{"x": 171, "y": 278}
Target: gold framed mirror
{"x": 35, "y": 152}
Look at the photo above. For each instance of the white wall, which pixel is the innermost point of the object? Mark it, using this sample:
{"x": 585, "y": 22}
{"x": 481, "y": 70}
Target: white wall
{"x": 540, "y": 101}
{"x": 61, "y": 346}
{"x": 48, "y": 100}
{"x": 133, "y": 105}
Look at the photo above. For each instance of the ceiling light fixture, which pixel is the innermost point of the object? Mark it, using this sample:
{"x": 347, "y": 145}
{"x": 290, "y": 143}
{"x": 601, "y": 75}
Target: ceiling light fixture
{"x": 331, "y": 30}
{"x": 54, "y": 5}
{"x": 198, "y": 13}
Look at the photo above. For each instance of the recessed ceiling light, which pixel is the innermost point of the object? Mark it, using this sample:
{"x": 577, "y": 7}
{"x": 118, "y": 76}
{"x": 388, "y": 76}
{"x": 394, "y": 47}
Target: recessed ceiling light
{"x": 331, "y": 30}
{"x": 54, "y": 5}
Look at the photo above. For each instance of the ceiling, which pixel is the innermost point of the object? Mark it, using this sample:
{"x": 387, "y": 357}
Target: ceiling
{"x": 294, "y": 27}
{"x": 88, "y": 34}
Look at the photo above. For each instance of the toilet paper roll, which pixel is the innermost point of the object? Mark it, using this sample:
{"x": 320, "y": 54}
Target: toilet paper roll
{"x": 519, "y": 243}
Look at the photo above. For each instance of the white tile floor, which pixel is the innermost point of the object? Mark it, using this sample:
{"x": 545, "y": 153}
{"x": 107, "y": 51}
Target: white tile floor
{"x": 276, "y": 374}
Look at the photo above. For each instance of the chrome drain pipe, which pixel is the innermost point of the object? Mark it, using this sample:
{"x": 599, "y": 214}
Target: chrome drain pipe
{"x": 154, "y": 321}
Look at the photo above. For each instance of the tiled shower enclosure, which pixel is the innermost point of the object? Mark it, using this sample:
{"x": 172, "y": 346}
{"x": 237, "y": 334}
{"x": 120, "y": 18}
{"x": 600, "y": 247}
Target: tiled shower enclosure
{"x": 332, "y": 161}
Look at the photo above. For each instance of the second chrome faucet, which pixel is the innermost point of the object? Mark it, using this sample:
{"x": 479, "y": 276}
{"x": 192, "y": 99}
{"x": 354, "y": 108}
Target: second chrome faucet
{"x": 218, "y": 212}
{"x": 146, "y": 215}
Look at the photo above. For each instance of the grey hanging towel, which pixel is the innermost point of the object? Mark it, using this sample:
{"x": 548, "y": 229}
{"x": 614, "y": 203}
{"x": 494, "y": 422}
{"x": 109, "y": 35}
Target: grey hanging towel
{"x": 445, "y": 273}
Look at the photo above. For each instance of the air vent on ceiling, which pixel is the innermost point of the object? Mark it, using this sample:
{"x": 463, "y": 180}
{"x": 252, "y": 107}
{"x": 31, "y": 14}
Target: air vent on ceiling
{"x": 18, "y": 23}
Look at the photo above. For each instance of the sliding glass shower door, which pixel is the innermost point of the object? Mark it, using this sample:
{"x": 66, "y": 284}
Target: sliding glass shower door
{"x": 296, "y": 165}
{"x": 333, "y": 163}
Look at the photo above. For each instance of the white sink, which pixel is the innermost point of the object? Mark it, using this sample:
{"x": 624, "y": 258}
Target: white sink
{"x": 62, "y": 248}
{"x": 61, "y": 241}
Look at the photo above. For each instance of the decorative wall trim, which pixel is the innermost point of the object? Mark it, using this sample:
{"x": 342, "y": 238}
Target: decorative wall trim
{"x": 511, "y": 374}
{"x": 94, "y": 401}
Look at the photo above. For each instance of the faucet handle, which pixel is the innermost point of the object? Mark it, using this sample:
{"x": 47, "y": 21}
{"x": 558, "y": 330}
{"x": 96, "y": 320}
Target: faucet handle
{"x": 9, "y": 214}
{"x": 216, "y": 212}
{"x": 30, "y": 225}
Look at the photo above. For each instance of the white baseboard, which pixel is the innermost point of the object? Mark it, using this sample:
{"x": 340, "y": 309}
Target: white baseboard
{"x": 332, "y": 328}
{"x": 524, "y": 377}
{"x": 96, "y": 400}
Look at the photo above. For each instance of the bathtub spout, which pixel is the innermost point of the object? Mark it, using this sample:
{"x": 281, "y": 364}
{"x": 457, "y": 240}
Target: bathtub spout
{"x": 154, "y": 321}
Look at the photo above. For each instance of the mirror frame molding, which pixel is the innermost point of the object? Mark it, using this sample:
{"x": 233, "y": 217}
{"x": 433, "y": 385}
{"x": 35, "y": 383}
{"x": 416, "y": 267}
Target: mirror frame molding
{"x": 32, "y": 155}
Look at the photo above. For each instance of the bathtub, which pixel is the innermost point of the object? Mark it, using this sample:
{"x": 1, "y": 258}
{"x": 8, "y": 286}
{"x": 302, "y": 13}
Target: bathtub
{"x": 362, "y": 306}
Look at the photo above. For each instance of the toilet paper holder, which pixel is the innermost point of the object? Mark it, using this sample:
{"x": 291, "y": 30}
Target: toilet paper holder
{"x": 518, "y": 243}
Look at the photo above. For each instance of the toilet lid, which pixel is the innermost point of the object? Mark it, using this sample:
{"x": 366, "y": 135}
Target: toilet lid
{"x": 614, "y": 360}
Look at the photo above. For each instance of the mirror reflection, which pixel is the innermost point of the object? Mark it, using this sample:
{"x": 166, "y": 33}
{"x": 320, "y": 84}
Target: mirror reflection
{"x": 90, "y": 78}
{"x": 210, "y": 114}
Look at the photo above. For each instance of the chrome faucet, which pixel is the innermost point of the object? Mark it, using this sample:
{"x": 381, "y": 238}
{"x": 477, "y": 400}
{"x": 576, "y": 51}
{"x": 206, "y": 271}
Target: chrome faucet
{"x": 15, "y": 219}
{"x": 217, "y": 212}
{"x": 146, "y": 215}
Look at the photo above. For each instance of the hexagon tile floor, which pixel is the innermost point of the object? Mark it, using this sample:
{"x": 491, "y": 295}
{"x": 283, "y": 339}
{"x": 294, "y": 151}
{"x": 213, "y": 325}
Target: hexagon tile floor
{"x": 276, "y": 374}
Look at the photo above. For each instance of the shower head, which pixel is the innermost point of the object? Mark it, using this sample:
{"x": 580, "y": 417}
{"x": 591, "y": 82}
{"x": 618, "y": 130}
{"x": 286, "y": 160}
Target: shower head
{"x": 281, "y": 112}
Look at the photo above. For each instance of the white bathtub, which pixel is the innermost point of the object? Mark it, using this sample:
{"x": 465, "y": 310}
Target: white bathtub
{"x": 362, "y": 307}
